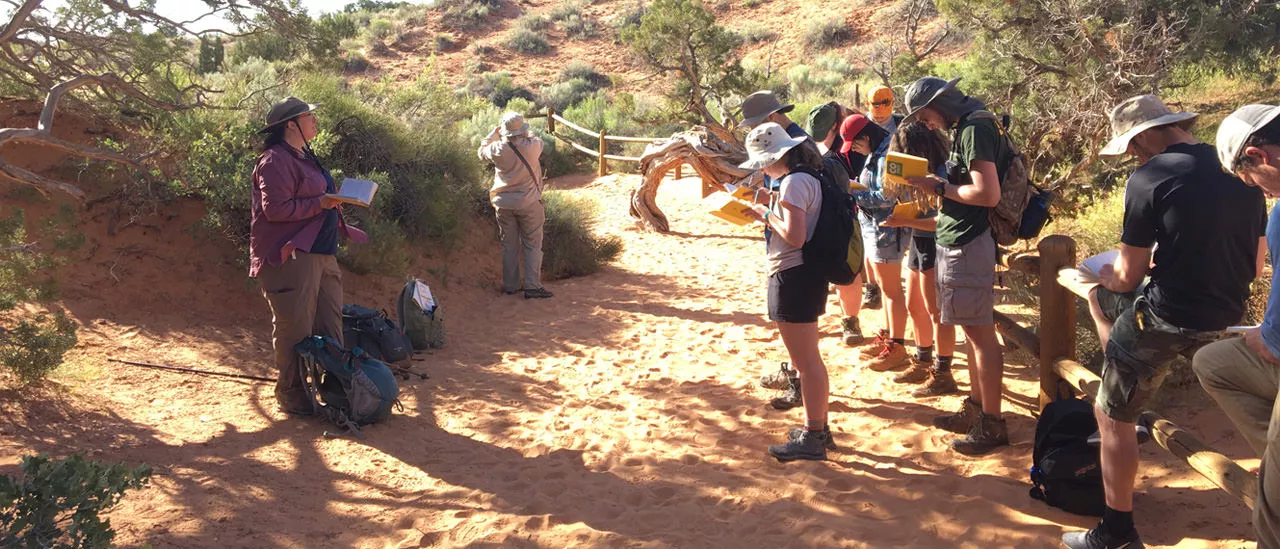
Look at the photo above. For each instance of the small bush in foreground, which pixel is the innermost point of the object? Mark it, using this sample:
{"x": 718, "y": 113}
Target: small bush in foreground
{"x": 527, "y": 41}
{"x": 570, "y": 246}
{"x": 58, "y": 503}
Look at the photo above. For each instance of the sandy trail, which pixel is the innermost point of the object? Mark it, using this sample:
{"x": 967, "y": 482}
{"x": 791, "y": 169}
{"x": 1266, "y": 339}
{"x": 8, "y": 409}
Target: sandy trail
{"x": 621, "y": 413}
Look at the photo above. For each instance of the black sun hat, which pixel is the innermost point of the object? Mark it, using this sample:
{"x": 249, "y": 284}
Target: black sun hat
{"x": 286, "y": 110}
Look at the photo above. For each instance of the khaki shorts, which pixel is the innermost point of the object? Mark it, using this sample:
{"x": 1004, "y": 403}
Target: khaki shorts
{"x": 966, "y": 282}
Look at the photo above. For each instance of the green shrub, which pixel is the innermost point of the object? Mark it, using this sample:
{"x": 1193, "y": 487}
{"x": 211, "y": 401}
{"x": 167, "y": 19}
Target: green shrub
{"x": 59, "y": 503}
{"x": 445, "y": 42}
{"x": 466, "y": 14}
{"x": 585, "y": 71}
{"x": 565, "y": 10}
{"x": 34, "y": 347}
{"x": 570, "y": 246}
{"x": 755, "y": 34}
{"x": 579, "y": 27}
{"x": 1097, "y": 226}
{"x": 327, "y": 34}
{"x": 824, "y": 34}
{"x": 629, "y": 18}
{"x": 533, "y": 22}
{"x": 527, "y": 41}
{"x": 355, "y": 62}
{"x": 497, "y": 88}
{"x": 481, "y": 50}
{"x": 271, "y": 46}
{"x": 386, "y": 253}
{"x": 564, "y": 94}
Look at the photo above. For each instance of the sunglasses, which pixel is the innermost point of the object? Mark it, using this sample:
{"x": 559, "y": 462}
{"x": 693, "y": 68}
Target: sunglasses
{"x": 884, "y": 103}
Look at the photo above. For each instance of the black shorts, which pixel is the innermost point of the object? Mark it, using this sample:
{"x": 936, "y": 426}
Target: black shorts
{"x": 797, "y": 295}
{"x": 923, "y": 254}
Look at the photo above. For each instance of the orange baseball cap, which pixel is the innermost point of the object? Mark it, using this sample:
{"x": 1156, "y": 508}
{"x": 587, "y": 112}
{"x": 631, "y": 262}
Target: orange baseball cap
{"x": 880, "y": 99}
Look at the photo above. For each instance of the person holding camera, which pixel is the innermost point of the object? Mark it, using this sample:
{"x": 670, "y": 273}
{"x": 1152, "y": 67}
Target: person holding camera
{"x": 516, "y": 196}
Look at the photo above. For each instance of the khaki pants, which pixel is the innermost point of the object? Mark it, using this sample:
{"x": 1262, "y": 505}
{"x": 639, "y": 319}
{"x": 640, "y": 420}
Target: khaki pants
{"x": 305, "y": 294}
{"x": 521, "y": 231}
{"x": 1245, "y": 386}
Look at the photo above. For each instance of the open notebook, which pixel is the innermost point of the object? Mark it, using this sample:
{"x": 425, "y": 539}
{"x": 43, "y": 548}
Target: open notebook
{"x": 356, "y": 191}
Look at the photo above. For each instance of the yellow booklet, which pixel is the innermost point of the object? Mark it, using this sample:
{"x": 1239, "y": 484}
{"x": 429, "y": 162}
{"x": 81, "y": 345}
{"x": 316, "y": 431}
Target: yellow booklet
{"x": 734, "y": 207}
{"x": 898, "y": 167}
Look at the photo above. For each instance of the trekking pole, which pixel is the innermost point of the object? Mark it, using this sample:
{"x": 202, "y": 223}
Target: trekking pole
{"x": 190, "y": 370}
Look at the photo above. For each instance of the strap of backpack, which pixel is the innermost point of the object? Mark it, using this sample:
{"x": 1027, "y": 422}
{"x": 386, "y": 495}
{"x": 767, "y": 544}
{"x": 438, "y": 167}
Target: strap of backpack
{"x": 537, "y": 180}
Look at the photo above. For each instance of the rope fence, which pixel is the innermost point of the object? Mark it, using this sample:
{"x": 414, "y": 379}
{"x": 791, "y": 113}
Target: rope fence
{"x": 601, "y": 154}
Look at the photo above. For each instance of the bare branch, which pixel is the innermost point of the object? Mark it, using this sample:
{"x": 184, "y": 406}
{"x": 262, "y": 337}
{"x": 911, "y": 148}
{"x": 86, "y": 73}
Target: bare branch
{"x": 19, "y": 18}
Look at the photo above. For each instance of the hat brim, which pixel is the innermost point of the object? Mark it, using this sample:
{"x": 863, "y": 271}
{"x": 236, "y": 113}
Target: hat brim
{"x": 756, "y": 120}
{"x": 762, "y": 161}
{"x": 1230, "y": 166}
{"x": 269, "y": 127}
{"x": 1119, "y": 144}
{"x": 524, "y": 130}
{"x": 911, "y": 115}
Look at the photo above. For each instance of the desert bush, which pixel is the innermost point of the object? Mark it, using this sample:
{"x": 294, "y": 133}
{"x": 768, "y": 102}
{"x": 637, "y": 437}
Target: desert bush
{"x": 579, "y": 27}
{"x": 33, "y": 347}
{"x": 570, "y": 246}
{"x": 466, "y": 14}
{"x": 1097, "y": 226}
{"x": 355, "y": 61}
{"x": 585, "y": 71}
{"x": 328, "y": 32}
{"x": 60, "y": 503}
{"x": 481, "y": 50}
{"x": 267, "y": 45}
{"x": 527, "y": 41}
{"x": 825, "y": 34}
{"x": 497, "y": 88}
{"x": 629, "y": 18}
{"x": 562, "y": 95}
{"x": 754, "y": 34}
{"x": 445, "y": 42}
{"x": 533, "y": 22}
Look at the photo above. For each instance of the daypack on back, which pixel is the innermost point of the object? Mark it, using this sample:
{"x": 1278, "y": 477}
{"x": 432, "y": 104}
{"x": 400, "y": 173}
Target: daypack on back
{"x": 374, "y": 333}
{"x": 836, "y": 246}
{"x": 1016, "y": 194}
{"x": 1066, "y": 472}
{"x": 420, "y": 315}
{"x": 348, "y": 388}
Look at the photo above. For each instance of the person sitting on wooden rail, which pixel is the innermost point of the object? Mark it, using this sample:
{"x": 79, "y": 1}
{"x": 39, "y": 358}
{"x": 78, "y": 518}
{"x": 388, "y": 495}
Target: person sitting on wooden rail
{"x": 1205, "y": 226}
{"x": 1243, "y": 374}
{"x": 966, "y": 269}
{"x": 516, "y": 196}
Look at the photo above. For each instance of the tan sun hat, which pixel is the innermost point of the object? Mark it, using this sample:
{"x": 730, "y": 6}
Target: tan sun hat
{"x": 287, "y": 109}
{"x": 1136, "y": 115}
{"x": 513, "y": 124}
{"x": 766, "y": 144}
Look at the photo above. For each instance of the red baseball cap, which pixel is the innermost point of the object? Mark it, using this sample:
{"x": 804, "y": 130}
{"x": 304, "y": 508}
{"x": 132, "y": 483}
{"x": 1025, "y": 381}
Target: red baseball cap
{"x": 849, "y": 129}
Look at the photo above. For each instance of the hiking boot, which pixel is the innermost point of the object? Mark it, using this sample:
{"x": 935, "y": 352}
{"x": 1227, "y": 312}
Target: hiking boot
{"x": 960, "y": 422}
{"x": 537, "y": 293}
{"x": 870, "y": 296}
{"x": 892, "y": 355}
{"x": 850, "y": 330}
{"x": 779, "y": 380}
{"x": 940, "y": 383}
{"x": 791, "y": 396}
{"x": 1099, "y": 538}
{"x": 809, "y": 445}
{"x": 829, "y": 442}
{"x": 918, "y": 372}
{"x": 987, "y": 435}
{"x": 877, "y": 344}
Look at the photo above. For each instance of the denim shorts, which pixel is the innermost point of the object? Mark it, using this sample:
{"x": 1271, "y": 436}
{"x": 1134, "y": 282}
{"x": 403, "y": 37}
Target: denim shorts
{"x": 1140, "y": 353}
{"x": 966, "y": 282}
{"x": 883, "y": 244}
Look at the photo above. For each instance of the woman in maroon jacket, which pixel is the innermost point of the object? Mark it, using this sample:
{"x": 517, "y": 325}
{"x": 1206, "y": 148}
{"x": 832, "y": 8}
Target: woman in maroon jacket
{"x": 293, "y": 242}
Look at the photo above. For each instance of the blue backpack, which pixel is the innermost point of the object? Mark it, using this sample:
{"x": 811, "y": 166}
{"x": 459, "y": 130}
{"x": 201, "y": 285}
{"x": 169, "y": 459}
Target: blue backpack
{"x": 349, "y": 388}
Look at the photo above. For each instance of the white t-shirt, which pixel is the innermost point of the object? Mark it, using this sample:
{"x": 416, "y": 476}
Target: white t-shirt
{"x": 802, "y": 191}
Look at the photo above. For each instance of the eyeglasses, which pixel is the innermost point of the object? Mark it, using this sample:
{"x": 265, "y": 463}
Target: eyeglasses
{"x": 885, "y": 103}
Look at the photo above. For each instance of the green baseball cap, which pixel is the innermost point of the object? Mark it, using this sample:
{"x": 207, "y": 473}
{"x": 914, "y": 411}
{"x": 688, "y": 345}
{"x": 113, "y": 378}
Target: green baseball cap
{"x": 821, "y": 119}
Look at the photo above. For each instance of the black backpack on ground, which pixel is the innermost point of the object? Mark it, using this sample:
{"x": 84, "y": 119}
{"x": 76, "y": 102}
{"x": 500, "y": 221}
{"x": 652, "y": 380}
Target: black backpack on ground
{"x": 1066, "y": 472}
{"x": 374, "y": 333}
{"x": 836, "y": 246}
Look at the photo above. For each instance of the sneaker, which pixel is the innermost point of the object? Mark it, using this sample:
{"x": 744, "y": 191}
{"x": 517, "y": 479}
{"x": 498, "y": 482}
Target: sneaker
{"x": 870, "y": 296}
{"x": 851, "y": 331}
{"x": 940, "y": 383}
{"x": 810, "y": 445}
{"x": 960, "y": 422}
{"x": 537, "y": 293}
{"x": 918, "y": 372}
{"x": 1100, "y": 539}
{"x": 829, "y": 442}
{"x": 986, "y": 435}
{"x": 791, "y": 396}
{"x": 891, "y": 356}
{"x": 779, "y": 380}
{"x": 877, "y": 344}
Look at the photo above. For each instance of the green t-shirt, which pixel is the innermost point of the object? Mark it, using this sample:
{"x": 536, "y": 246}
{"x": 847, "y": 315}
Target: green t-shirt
{"x": 975, "y": 139}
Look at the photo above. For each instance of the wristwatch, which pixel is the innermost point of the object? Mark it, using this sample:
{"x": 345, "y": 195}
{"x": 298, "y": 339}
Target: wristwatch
{"x": 941, "y": 188}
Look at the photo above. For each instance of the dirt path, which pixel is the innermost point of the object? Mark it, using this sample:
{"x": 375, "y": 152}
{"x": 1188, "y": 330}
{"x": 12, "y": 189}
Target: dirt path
{"x": 623, "y": 412}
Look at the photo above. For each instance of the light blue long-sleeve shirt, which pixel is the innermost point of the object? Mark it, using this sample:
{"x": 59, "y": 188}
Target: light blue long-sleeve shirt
{"x": 1271, "y": 319}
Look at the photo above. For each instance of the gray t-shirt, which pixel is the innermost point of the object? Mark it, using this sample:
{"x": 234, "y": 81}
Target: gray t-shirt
{"x": 802, "y": 191}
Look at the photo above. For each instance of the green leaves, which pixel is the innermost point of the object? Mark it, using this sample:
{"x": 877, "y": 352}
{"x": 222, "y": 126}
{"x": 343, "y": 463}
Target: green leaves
{"x": 57, "y": 503}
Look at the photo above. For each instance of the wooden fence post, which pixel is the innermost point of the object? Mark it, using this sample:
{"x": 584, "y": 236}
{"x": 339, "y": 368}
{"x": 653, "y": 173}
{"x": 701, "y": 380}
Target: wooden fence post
{"x": 1057, "y": 312}
{"x": 604, "y": 166}
{"x": 551, "y": 119}
{"x": 678, "y": 174}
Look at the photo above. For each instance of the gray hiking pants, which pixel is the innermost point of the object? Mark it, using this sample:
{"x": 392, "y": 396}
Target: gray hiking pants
{"x": 521, "y": 231}
{"x": 305, "y": 294}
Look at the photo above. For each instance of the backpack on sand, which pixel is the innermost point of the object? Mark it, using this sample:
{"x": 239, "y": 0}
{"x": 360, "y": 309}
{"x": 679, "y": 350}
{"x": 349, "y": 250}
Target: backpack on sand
{"x": 374, "y": 333}
{"x": 1066, "y": 472}
{"x": 836, "y": 245}
{"x": 1023, "y": 209}
{"x": 349, "y": 388}
{"x": 421, "y": 316}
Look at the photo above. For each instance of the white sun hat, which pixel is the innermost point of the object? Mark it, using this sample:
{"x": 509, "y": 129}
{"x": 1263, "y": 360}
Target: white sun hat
{"x": 766, "y": 144}
{"x": 1136, "y": 115}
{"x": 1237, "y": 128}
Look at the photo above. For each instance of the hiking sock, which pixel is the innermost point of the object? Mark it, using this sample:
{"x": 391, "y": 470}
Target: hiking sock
{"x": 942, "y": 364}
{"x": 1118, "y": 523}
{"x": 924, "y": 354}
{"x": 815, "y": 426}
{"x": 898, "y": 340}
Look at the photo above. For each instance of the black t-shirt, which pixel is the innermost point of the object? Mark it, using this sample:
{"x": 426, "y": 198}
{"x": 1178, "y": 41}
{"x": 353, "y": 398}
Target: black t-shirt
{"x": 1206, "y": 224}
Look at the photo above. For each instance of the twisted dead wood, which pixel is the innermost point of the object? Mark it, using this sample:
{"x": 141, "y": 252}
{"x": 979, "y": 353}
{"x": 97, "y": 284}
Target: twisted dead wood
{"x": 715, "y": 160}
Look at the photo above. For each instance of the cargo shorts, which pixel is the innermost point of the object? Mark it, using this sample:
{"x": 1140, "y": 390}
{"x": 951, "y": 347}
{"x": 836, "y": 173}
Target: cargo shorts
{"x": 966, "y": 277}
{"x": 1140, "y": 353}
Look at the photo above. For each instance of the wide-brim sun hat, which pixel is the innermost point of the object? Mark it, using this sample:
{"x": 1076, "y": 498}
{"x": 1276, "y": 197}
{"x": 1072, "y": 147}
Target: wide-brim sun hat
{"x": 1237, "y": 128}
{"x": 766, "y": 144}
{"x": 923, "y": 92}
{"x": 513, "y": 124}
{"x": 759, "y": 105}
{"x": 286, "y": 110}
{"x": 1139, "y": 114}
{"x": 849, "y": 130}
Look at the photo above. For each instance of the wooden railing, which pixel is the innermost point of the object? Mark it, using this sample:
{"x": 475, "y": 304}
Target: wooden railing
{"x": 601, "y": 154}
{"x": 1054, "y": 344}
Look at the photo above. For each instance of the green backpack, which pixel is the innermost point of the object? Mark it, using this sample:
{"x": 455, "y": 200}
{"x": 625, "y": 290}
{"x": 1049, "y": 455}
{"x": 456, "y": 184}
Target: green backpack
{"x": 420, "y": 315}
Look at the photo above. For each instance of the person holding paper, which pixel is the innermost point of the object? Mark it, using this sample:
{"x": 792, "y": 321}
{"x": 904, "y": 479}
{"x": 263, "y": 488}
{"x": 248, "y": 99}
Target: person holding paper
{"x": 1207, "y": 225}
{"x": 1243, "y": 373}
{"x": 516, "y": 196}
{"x": 293, "y": 238}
